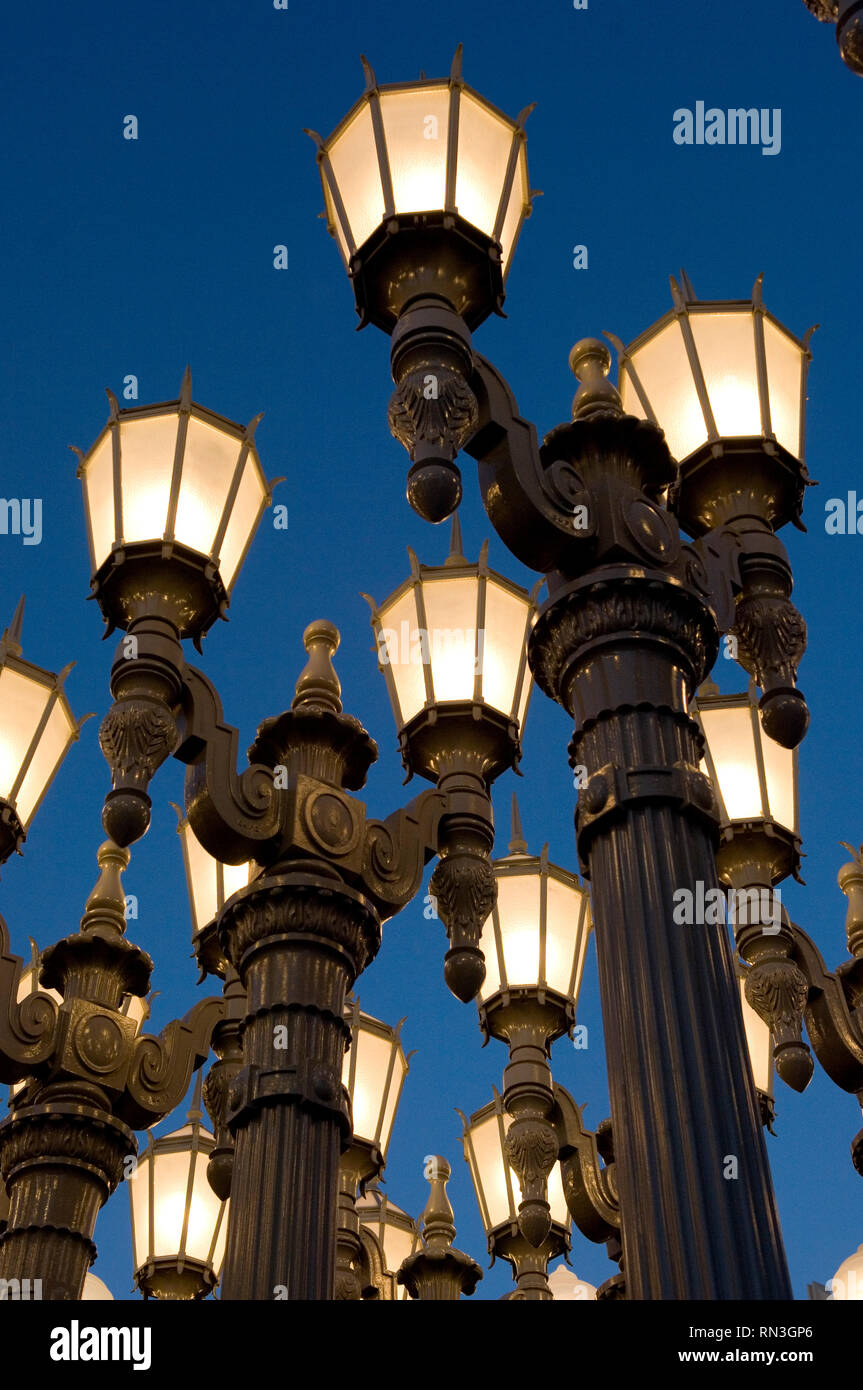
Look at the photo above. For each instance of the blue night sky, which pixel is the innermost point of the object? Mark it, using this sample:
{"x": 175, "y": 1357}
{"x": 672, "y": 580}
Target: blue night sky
{"x": 140, "y": 256}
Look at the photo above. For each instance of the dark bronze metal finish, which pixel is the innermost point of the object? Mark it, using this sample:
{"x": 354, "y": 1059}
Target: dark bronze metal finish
{"x": 90, "y": 1082}
{"x": 847, "y": 15}
{"x": 437, "y": 1271}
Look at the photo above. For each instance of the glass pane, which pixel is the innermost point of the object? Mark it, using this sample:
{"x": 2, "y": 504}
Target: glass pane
{"x": 503, "y": 644}
{"x": 518, "y": 911}
{"x": 488, "y": 946}
{"x": 373, "y": 1059}
{"x": 398, "y": 1076}
{"x": 355, "y": 165}
{"x": 732, "y": 747}
{"x": 235, "y": 876}
{"x": 663, "y": 369}
{"x": 56, "y": 737}
{"x": 400, "y": 647}
{"x": 135, "y": 1008}
{"x": 203, "y": 885}
{"x": 99, "y": 491}
{"x": 784, "y": 373}
{"x": 779, "y": 771}
{"x": 147, "y": 449}
{"x": 451, "y": 640}
{"x": 221, "y": 1241}
{"x": 203, "y": 1213}
{"x": 208, "y": 469}
{"x": 726, "y": 350}
{"x": 485, "y": 1137}
{"x": 22, "y": 702}
{"x": 515, "y": 211}
{"x": 527, "y": 683}
{"x": 139, "y": 1187}
{"x": 416, "y": 125}
{"x": 335, "y": 221}
{"x": 484, "y": 142}
{"x": 556, "y": 1199}
{"x": 562, "y": 934}
{"x": 244, "y": 514}
{"x": 629, "y": 398}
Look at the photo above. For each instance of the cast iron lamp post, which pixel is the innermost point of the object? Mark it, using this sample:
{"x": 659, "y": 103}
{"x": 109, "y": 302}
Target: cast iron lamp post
{"x": 324, "y": 877}
{"x": 629, "y": 630}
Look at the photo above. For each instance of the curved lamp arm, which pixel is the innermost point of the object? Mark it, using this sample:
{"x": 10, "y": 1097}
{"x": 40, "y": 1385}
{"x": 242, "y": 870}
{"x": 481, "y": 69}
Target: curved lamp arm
{"x": 588, "y": 1186}
{"x": 833, "y": 1026}
{"x": 161, "y": 1067}
{"x": 27, "y": 1030}
{"x": 234, "y": 815}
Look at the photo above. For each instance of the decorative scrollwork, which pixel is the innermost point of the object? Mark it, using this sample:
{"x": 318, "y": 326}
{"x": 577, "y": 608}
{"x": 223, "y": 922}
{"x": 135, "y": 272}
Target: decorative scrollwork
{"x": 161, "y": 1067}
{"x": 136, "y": 737}
{"x": 27, "y": 1029}
{"x": 433, "y": 405}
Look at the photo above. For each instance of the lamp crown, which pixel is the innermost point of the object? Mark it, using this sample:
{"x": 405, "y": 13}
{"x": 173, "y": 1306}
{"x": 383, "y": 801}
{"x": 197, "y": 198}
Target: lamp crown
{"x": 517, "y": 842}
{"x": 318, "y": 684}
{"x": 590, "y": 362}
{"x": 456, "y": 552}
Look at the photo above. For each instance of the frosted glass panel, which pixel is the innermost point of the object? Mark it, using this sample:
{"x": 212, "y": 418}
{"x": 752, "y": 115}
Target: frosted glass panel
{"x": 518, "y": 911}
{"x": 663, "y": 369}
{"x": 373, "y": 1059}
{"x": 416, "y": 129}
{"x": 355, "y": 165}
{"x": 515, "y": 211}
{"x": 732, "y": 746}
{"x": 488, "y": 946}
{"x": 208, "y": 468}
{"x": 485, "y": 1138}
{"x": 726, "y": 350}
{"x": 779, "y": 771}
{"x": 450, "y": 606}
{"x": 400, "y": 647}
{"x": 147, "y": 449}
{"x": 56, "y": 737}
{"x": 562, "y": 935}
{"x": 99, "y": 490}
{"x": 759, "y": 1043}
{"x": 247, "y": 505}
{"x": 784, "y": 373}
{"x": 484, "y": 143}
{"x": 502, "y": 645}
{"x": 203, "y": 887}
{"x": 22, "y": 702}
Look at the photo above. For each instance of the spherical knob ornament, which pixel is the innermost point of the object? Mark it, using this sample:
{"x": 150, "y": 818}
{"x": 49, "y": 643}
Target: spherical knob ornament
{"x": 126, "y": 816}
{"x": 850, "y": 37}
{"x": 219, "y": 1170}
{"x": 434, "y": 488}
{"x": 784, "y": 717}
{"x": 534, "y": 1221}
{"x": 794, "y": 1065}
{"x": 464, "y": 972}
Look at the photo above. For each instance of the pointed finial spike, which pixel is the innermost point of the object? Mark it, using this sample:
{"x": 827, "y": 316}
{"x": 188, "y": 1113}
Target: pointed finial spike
{"x": 517, "y": 843}
{"x": 12, "y": 635}
{"x": 318, "y": 683}
{"x": 455, "y": 69}
{"x": 456, "y": 553}
{"x": 371, "y": 80}
{"x": 113, "y": 402}
{"x": 686, "y": 285}
{"x": 186, "y": 387}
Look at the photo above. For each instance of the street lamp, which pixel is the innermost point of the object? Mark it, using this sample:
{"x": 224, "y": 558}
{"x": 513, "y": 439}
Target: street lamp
{"x": 566, "y": 1287}
{"x": 628, "y": 632}
{"x": 846, "y": 1286}
{"x": 173, "y": 494}
{"x": 36, "y": 729}
{"x": 496, "y": 1185}
{"x": 179, "y": 1225}
{"x": 452, "y": 645}
{"x": 397, "y": 1233}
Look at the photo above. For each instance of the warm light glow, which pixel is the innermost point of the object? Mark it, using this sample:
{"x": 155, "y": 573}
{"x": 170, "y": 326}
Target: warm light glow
{"x": 179, "y": 1186}
{"x": 499, "y": 1200}
{"x": 535, "y": 898}
{"x": 397, "y": 1233}
{"x": 209, "y": 882}
{"x": 566, "y": 1286}
{"x": 373, "y": 1072}
{"x": 735, "y": 742}
{"x": 171, "y": 497}
{"x": 725, "y": 351}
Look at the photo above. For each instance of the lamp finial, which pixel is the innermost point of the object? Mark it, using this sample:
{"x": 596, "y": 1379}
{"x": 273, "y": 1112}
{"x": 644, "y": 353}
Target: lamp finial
{"x": 318, "y": 683}
{"x": 12, "y": 634}
{"x": 517, "y": 843}
{"x": 456, "y": 553}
